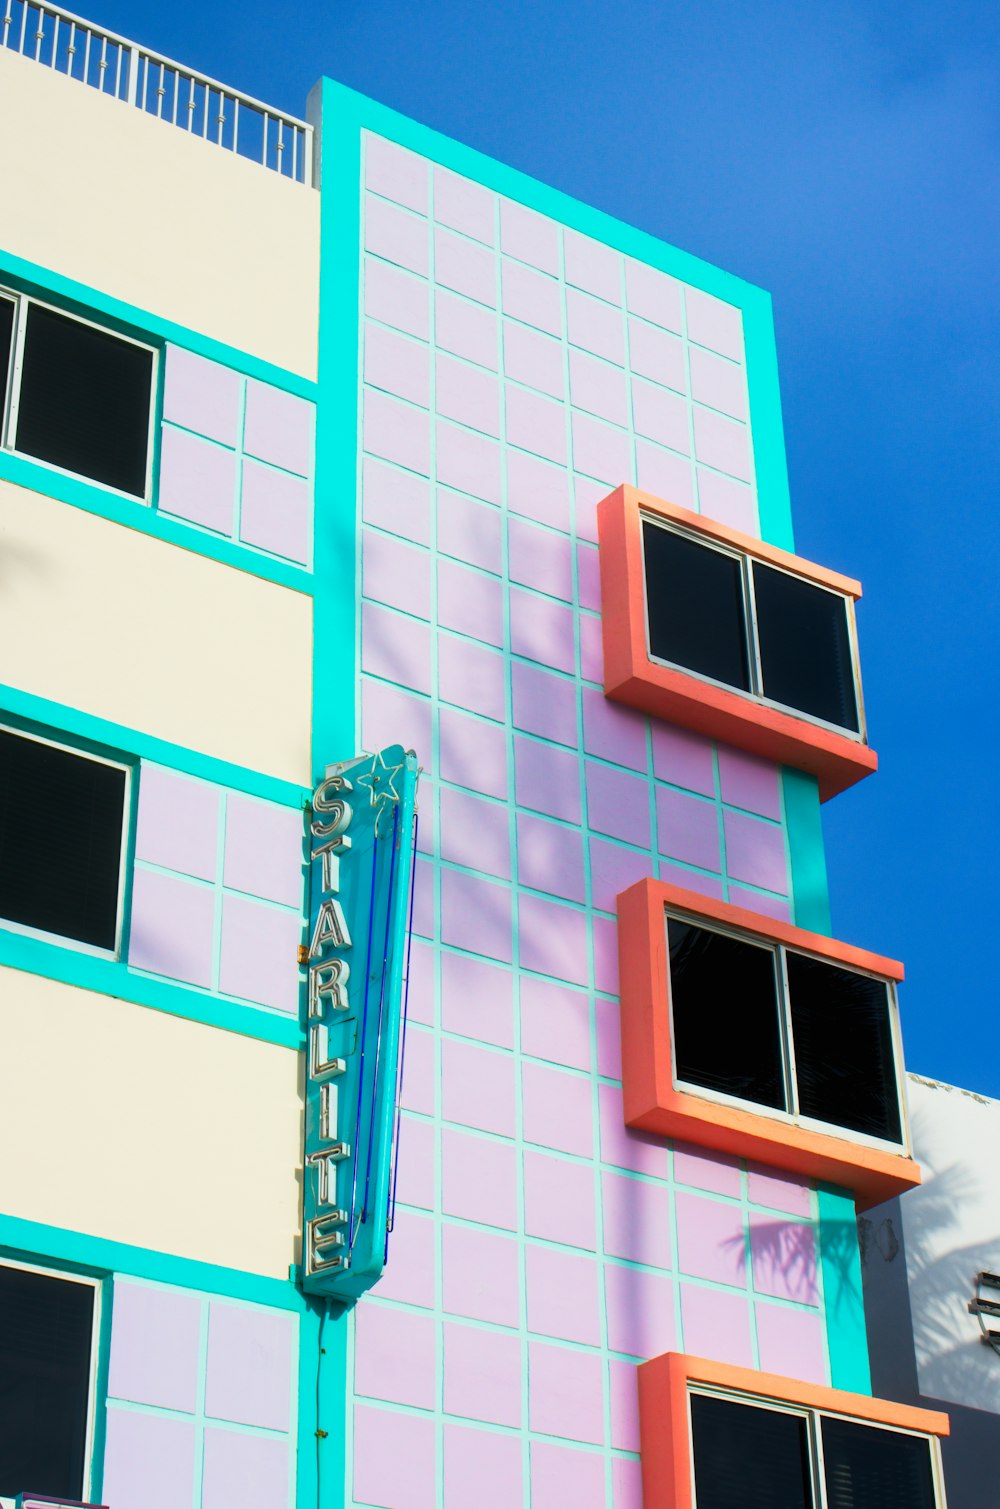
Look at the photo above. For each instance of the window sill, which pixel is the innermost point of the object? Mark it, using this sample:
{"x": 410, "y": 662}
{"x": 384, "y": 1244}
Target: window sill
{"x": 652, "y": 1101}
{"x": 665, "y": 1425}
{"x": 838, "y": 760}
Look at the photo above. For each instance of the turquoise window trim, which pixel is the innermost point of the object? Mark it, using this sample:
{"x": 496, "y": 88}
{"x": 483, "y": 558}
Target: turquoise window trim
{"x": 101, "y": 1388}
{"x": 346, "y": 114}
{"x": 116, "y": 739}
{"x": 807, "y": 857}
{"x": 133, "y": 513}
{"x": 43, "y": 282}
{"x": 113, "y": 977}
{"x": 840, "y": 1260}
{"x": 79, "y": 1251}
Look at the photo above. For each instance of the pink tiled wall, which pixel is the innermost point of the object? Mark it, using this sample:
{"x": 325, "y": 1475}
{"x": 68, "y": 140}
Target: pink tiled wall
{"x": 217, "y": 889}
{"x": 236, "y": 456}
{"x": 201, "y": 1396}
{"x": 513, "y": 372}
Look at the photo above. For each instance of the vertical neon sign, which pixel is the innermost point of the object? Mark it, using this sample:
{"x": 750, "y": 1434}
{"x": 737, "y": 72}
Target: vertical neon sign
{"x": 363, "y": 833}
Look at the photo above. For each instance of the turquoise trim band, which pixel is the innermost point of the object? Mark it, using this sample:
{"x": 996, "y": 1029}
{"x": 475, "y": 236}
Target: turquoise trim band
{"x": 348, "y": 113}
{"x": 112, "y": 977}
{"x": 30, "y": 277}
{"x": 140, "y": 516}
{"x": 118, "y": 739}
{"x": 32, "y": 1241}
{"x": 807, "y": 858}
{"x": 840, "y": 1260}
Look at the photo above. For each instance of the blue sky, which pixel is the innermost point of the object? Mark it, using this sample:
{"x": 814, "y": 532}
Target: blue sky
{"x": 846, "y": 158}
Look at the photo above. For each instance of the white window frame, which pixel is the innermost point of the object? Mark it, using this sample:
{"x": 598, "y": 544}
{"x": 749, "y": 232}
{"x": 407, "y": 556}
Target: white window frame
{"x": 792, "y": 1117}
{"x": 9, "y": 925}
{"x": 813, "y": 1418}
{"x": 87, "y": 1487}
{"x": 9, "y": 416}
{"x": 746, "y": 563}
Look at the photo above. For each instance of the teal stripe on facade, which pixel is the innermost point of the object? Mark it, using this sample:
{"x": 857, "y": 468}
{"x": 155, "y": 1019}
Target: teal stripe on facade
{"x": 807, "y": 857}
{"x": 321, "y": 1464}
{"x": 337, "y": 588}
{"x": 840, "y": 1260}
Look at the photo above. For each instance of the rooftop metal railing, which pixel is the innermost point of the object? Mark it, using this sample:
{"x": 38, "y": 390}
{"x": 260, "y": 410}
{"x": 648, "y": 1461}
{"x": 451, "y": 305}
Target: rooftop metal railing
{"x": 156, "y": 85}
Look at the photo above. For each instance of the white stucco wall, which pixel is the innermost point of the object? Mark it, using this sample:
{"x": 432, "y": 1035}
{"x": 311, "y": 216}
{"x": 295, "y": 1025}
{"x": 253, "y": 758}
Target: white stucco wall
{"x": 951, "y": 1228}
{"x": 145, "y": 1128}
{"x": 212, "y": 241}
{"x": 153, "y": 636}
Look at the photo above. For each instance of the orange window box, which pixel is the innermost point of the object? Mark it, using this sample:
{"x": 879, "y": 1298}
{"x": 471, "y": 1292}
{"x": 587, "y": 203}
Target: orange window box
{"x": 747, "y": 717}
{"x": 667, "y": 1385}
{"x": 684, "y": 1070}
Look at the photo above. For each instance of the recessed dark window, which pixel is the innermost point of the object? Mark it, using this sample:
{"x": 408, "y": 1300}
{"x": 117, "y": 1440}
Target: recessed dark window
{"x": 732, "y": 1024}
{"x": 694, "y": 606}
{"x": 867, "y": 1468}
{"x": 46, "y": 1343}
{"x": 83, "y": 402}
{"x": 62, "y": 817}
{"x": 6, "y": 340}
{"x": 724, "y": 998}
{"x": 844, "y": 1062}
{"x": 805, "y": 647}
{"x": 746, "y": 1457}
{"x": 794, "y": 649}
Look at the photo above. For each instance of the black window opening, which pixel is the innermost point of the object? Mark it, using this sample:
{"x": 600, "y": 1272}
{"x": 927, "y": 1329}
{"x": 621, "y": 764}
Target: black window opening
{"x": 80, "y": 397}
{"x": 749, "y": 1456}
{"x": 749, "y": 626}
{"x": 46, "y": 1351}
{"x": 62, "y": 825}
{"x": 782, "y": 1030}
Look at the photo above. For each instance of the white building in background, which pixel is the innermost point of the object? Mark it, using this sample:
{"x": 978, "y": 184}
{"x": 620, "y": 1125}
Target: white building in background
{"x": 924, "y": 1257}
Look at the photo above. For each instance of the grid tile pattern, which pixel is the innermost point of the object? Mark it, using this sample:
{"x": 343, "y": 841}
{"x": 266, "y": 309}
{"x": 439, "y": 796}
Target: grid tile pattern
{"x": 513, "y": 372}
{"x": 236, "y": 457}
{"x": 201, "y": 1401}
{"x": 217, "y": 888}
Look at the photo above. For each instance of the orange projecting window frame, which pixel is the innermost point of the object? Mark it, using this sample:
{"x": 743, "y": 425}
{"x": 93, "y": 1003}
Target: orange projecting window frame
{"x": 631, "y": 675}
{"x": 666, "y": 1382}
{"x": 654, "y": 1102}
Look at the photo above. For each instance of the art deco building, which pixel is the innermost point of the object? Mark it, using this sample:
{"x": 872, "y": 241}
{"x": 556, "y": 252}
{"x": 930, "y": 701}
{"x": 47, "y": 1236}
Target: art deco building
{"x": 323, "y": 443}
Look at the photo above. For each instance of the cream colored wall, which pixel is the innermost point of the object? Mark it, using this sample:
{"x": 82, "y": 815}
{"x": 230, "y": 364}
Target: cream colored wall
{"x": 140, "y": 210}
{"x": 128, "y": 628}
{"x": 140, "y": 1127}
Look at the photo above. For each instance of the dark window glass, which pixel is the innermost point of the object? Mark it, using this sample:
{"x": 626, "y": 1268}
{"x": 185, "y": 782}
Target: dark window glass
{"x": 45, "y": 1347}
{"x": 749, "y": 1458}
{"x": 805, "y": 649}
{"x": 694, "y": 607}
{"x": 6, "y": 337}
{"x": 724, "y": 1004}
{"x": 61, "y": 819}
{"x": 844, "y": 1061}
{"x": 84, "y": 400}
{"x": 867, "y": 1468}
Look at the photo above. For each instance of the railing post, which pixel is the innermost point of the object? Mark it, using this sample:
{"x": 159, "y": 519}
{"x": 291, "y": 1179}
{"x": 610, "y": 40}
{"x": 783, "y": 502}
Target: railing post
{"x": 131, "y": 88}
